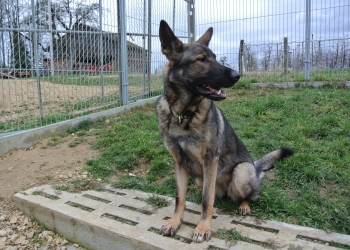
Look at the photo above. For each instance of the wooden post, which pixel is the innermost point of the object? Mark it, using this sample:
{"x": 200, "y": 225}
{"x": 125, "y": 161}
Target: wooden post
{"x": 240, "y": 57}
{"x": 285, "y": 55}
{"x": 277, "y": 61}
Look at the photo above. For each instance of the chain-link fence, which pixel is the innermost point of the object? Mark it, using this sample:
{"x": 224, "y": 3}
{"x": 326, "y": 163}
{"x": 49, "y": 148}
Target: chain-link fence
{"x": 61, "y": 59}
{"x": 267, "y": 40}
{"x": 64, "y": 59}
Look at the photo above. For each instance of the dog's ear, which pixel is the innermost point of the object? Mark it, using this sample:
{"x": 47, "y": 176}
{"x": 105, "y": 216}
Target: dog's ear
{"x": 172, "y": 47}
{"x": 205, "y": 38}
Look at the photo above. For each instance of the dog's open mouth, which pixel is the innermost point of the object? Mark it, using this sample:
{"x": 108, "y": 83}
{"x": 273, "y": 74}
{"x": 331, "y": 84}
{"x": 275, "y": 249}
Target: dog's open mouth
{"x": 210, "y": 92}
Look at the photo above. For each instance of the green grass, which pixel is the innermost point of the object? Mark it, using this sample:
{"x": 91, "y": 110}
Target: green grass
{"x": 96, "y": 80}
{"x": 76, "y": 142}
{"x": 311, "y": 188}
{"x": 62, "y": 188}
{"x": 231, "y": 236}
{"x": 323, "y": 75}
{"x": 72, "y": 108}
{"x": 78, "y": 185}
{"x": 50, "y": 196}
{"x": 83, "y": 80}
{"x": 157, "y": 201}
{"x": 77, "y": 205}
{"x": 139, "y": 89}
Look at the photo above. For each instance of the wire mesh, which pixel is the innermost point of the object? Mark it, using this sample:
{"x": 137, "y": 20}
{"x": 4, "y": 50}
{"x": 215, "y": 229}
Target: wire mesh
{"x": 272, "y": 34}
{"x": 60, "y": 59}
{"x": 143, "y": 17}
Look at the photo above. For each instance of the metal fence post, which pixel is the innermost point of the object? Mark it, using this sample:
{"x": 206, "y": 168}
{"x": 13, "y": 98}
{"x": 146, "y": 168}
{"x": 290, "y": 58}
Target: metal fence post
{"x": 123, "y": 55}
{"x": 191, "y": 21}
{"x": 144, "y": 70}
{"x": 307, "y": 40}
{"x": 101, "y": 55}
{"x": 36, "y": 58}
{"x": 118, "y": 55}
{"x": 174, "y": 5}
{"x": 52, "y": 65}
{"x": 149, "y": 44}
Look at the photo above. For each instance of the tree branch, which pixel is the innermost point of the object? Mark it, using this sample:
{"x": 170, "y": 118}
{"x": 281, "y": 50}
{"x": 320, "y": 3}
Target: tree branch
{"x": 29, "y": 39}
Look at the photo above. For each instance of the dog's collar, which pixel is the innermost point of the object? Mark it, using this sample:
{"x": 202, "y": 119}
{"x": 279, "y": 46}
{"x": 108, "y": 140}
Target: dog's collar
{"x": 183, "y": 116}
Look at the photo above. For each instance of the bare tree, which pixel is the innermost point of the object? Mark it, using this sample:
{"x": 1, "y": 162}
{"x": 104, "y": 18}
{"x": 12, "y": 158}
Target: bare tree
{"x": 278, "y": 57}
{"x": 336, "y": 56}
{"x": 2, "y": 38}
{"x": 300, "y": 57}
{"x": 265, "y": 61}
{"x": 57, "y": 17}
{"x": 65, "y": 16}
{"x": 326, "y": 54}
{"x": 343, "y": 54}
{"x": 223, "y": 60}
{"x": 11, "y": 41}
{"x": 69, "y": 16}
{"x": 319, "y": 61}
{"x": 250, "y": 59}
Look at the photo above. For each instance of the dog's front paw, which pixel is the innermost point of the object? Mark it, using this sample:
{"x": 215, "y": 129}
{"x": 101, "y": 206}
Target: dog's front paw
{"x": 244, "y": 208}
{"x": 201, "y": 233}
{"x": 170, "y": 227}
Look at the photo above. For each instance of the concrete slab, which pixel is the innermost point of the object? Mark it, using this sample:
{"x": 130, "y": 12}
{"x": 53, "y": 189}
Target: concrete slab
{"x": 121, "y": 219}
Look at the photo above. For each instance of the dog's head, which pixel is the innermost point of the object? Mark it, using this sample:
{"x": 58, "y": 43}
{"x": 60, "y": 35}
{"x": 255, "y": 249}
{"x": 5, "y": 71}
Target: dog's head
{"x": 194, "y": 66}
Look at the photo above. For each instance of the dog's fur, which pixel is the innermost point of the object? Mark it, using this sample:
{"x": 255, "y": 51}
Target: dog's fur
{"x": 197, "y": 135}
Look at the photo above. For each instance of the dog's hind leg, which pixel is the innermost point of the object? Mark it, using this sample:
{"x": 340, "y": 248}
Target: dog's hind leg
{"x": 245, "y": 186}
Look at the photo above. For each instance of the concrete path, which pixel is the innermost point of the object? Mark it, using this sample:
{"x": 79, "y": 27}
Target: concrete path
{"x": 121, "y": 219}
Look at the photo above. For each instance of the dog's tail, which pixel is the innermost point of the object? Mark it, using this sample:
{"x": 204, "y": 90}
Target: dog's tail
{"x": 266, "y": 162}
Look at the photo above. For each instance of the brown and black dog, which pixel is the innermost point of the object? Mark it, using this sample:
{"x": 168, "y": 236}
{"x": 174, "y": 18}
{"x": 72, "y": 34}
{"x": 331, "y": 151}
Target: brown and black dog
{"x": 197, "y": 135}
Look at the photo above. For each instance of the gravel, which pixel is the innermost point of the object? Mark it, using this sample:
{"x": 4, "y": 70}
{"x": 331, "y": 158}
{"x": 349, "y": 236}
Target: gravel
{"x": 17, "y": 231}
{"x": 52, "y": 161}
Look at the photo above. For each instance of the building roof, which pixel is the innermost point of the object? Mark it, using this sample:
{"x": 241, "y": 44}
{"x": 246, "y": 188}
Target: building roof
{"x": 83, "y": 41}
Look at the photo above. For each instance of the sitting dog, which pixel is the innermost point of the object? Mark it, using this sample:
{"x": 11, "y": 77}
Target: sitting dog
{"x": 198, "y": 136}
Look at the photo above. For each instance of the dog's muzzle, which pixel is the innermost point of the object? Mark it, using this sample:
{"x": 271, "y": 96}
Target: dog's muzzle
{"x": 235, "y": 76}
{"x": 225, "y": 79}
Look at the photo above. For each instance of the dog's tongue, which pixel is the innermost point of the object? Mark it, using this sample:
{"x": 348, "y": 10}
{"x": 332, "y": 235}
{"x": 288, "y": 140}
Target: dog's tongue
{"x": 211, "y": 91}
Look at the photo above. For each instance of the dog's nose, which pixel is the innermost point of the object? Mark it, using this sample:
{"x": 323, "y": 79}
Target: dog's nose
{"x": 235, "y": 76}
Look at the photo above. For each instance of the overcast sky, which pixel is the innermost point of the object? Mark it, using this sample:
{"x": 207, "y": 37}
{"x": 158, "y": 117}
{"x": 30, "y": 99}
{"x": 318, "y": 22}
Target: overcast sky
{"x": 266, "y": 21}
{"x": 258, "y": 22}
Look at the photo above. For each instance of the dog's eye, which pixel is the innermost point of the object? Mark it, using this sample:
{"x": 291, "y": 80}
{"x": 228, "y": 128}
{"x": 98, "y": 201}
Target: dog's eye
{"x": 201, "y": 58}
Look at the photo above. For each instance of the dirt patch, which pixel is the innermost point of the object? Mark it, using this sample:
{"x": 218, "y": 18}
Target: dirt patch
{"x": 51, "y": 161}
{"x": 57, "y": 161}
{"x": 19, "y": 98}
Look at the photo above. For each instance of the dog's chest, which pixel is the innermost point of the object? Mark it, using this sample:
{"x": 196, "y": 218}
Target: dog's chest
{"x": 187, "y": 142}
{"x": 190, "y": 145}
{"x": 189, "y": 152}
